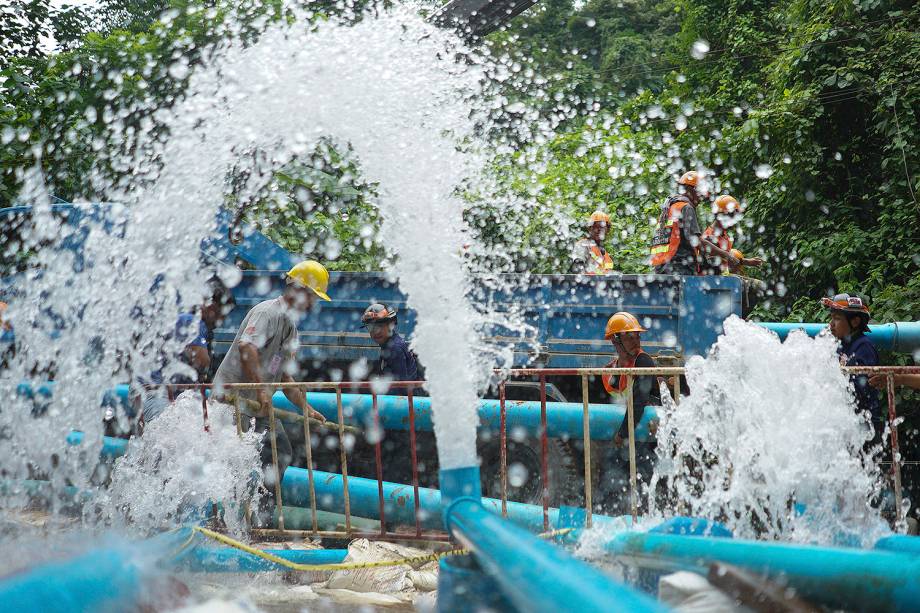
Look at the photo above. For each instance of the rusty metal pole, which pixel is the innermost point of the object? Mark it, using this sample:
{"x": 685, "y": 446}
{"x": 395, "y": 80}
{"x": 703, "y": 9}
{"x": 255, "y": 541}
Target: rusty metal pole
{"x": 676, "y": 380}
{"x": 544, "y": 453}
{"x": 378, "y": 460}
{"x": 341, "y": 421}
{"x": 414, "y": 456}
{"x": 503, "y": 448}
{"x": 630, "y": 425}
{"x": 586, "y": 429}
{"x": 204, "y": 410}
{"x": 308, "y": 445}
{"x": 278, "y": 475}
{"x": 895, "y": 450}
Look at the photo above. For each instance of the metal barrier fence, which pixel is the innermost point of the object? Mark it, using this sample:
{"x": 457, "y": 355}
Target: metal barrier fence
{"x": 674, "y": 373}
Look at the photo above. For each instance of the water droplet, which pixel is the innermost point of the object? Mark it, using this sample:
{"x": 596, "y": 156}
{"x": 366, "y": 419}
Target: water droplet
{"x": 517, "y": 474}
{"x": 763, "y": 171}
{"x": 699, "y": 49}
{"x": 680, "y": 123}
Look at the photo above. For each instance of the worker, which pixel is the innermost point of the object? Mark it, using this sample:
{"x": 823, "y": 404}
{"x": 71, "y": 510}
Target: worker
{"x": 7, "y": 347}
{"x": 589, "y": 256}
{"x": 195, "y": 330}
{"x": 849, "y": 322}
{"x": 677, "y": 240}
{"x": 265, "y": 351}
{"x": 623, "y": 331}
{"x": 397, "y": 361}
{"x": 717, "y": 241}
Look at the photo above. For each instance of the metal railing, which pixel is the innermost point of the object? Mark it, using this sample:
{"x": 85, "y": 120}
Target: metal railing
{"x": 341, "y": 428}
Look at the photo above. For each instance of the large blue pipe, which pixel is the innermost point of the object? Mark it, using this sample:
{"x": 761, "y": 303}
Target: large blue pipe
{"x": 852, "y": 579}
{"x": 399, "y": 501}
{"x": 107, "y": 579}
{"x": 228, "y": 560}
{"x": 901, "y": 336}
{"x": 534, "y": 575}
{"x": 563, "y": 419}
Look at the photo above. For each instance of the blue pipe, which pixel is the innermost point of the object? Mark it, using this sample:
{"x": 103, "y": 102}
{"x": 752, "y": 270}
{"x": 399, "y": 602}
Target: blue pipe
{"x": 900, "y": 543}
{"x": 228, "y": 560}
{"x": 399, "y": 501}
{"x": 105, "y": 579}
{"x": 563, "y": 419}
{"x": 111, "y": 447}
{"x": 534, "y": 575}
{"x": 851, "y": 579}
{"x": 901, "y": 336}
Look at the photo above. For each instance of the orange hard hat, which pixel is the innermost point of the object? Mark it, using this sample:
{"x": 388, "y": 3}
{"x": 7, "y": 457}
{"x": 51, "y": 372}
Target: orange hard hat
{"x": 598, "y": 216}
{"x": 726, "y": 204}
{"x": 622, "y": 322}
{"x": 737, "y": 253}
{"x": 846, "y": 304}
{"x": 691, "y": 178}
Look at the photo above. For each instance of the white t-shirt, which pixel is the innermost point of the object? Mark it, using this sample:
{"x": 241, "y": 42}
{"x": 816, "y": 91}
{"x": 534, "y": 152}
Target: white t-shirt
{"x": 271, "y": 327}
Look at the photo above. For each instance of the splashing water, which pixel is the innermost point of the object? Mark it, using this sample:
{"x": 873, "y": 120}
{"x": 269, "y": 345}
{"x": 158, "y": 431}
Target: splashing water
{"x": 769, "y": 441}
{"x": 390, "y": 86}
{"x": 173, "y": 472}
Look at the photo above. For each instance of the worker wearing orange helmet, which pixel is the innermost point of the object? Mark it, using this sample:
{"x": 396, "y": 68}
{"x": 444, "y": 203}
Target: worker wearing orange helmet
{"x": 849, "y": 322}
{"x": 589, "y": 256}
{"x": 677, "y": 240}
{"x": 717, "y": 241}
{"x": 623, "y": 331}
{"x": 397, "y": 360}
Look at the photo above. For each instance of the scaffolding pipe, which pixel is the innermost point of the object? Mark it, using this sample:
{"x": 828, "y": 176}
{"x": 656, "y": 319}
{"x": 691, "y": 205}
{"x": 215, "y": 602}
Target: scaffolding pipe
{"x": 903, "y": 336}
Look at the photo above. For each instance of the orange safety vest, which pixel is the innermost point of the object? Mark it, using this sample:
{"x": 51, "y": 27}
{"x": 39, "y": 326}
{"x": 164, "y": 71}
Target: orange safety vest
{"x": 601, "y": 259}
{"x": 723, "y": 241}
{"x": 667, "y": 235}
{"x": 621, "y": 383}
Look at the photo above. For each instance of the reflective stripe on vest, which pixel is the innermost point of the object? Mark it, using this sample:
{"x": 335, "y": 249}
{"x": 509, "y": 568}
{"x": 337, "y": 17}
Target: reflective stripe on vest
{"x": 602, "y": 261}
{"x": 620, "y": 387}
{"x": 667, "y": 236}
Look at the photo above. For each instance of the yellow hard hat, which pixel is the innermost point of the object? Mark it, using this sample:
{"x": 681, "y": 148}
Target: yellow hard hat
{"x": 622, "y": 322}
{"x": 311, "y": 274}
{"x": 726, "y": 204}
{"x": 691, "y": 178}
{"x": 598, "y": 216}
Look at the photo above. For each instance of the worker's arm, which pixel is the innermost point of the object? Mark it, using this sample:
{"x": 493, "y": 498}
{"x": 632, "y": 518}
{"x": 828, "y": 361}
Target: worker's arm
{"x": 198, "y": 358}
{"x": 642, "y": 391}
{"x": 713, "y": 249}
{"x": 754, "y": 262}
{"x": 880, "y": 381}
{"x": 298, "y": 398}
{"x": 249, "y": 360}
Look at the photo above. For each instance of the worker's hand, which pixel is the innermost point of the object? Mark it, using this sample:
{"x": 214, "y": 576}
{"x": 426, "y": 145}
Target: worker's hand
{"x": 314, "y": 414}
{"x": 755, "y": 262}
{"x": 265, "y": 403}
{"x": 618, "y": 441}
{"x": 881, "y": 381}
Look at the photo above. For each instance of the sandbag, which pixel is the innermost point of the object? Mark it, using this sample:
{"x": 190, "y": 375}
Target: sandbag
{"x": 691, "y": 593}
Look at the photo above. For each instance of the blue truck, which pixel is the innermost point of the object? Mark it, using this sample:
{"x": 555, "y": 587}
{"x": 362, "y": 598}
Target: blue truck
{"x": 684, "y": 317}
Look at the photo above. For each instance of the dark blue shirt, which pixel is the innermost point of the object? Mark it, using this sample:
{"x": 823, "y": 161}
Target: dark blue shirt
{"x": 397, "y": 360}
{"x": 192, "y": 336}
{"x": 859, "y": 351}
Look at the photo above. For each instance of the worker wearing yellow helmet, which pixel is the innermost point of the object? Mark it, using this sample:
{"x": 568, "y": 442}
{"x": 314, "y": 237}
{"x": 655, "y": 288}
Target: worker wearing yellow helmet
{"x": 589, "y": 256}
{"x": 623, "y": 331}
{"x": 717, "y": 241}
{"x": 265, "y": 351}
